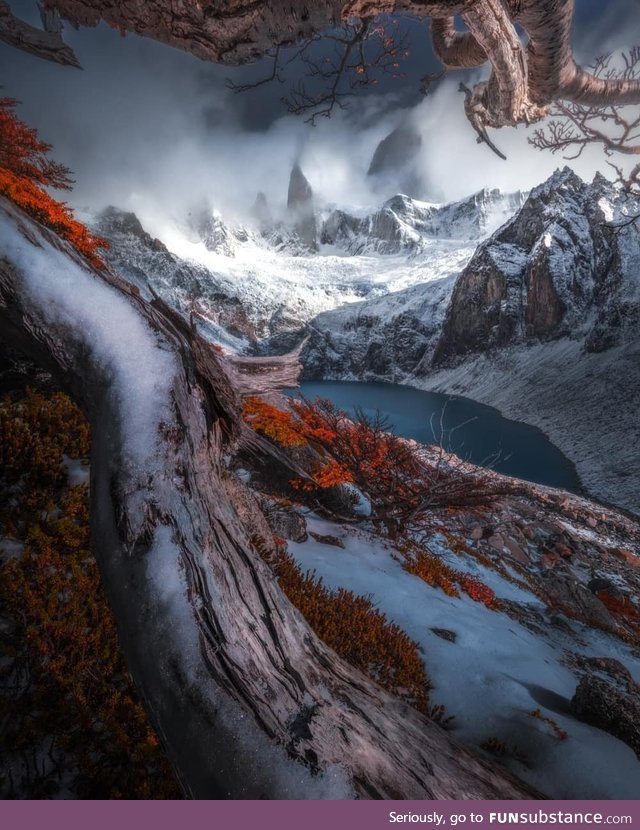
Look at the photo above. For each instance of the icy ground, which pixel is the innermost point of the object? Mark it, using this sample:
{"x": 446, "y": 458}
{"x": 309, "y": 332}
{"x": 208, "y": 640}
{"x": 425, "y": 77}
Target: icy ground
{"x": 496, "y": 672}
{"x": 270, "y": 282}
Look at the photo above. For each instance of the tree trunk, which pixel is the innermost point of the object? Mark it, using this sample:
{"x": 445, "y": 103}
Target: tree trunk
{"x": 248, "y": 702}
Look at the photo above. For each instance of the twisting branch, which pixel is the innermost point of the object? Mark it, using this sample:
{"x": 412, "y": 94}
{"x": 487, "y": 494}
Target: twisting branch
{"x": 614, "y": 127}
{"x": 362, "y": 52}
{"x": 456, "y": 50}
{"x": 477, "y": 121}
{"x": 45, "y": 43}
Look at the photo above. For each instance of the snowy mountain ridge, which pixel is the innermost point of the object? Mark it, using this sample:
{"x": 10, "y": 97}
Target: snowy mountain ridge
{"x": 539, "y": 318}
{"x": 541, "y": 322}
{"x": 405, "y": 224}
{"x": 254, "y": 282}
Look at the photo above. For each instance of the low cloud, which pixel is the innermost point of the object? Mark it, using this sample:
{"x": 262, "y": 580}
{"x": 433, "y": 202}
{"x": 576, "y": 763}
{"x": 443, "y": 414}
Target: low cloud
{"x": 148, "y": 128}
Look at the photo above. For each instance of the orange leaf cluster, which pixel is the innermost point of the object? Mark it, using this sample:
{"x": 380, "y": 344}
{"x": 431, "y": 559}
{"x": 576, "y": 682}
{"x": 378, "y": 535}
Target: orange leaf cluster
{"x": 79, "y": 699}
{"x": 25, "y": 172}
{"x": 478, "y": 591}
{"x": 331, "y": 474}
{"x": 272, "y": 422}
{"x": 432, "y": 570}
{"x": 355, "y": 630}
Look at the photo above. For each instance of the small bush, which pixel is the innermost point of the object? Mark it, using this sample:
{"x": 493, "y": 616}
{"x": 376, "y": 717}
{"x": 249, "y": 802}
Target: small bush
{"x": 25, "y": 172}
{"x": 355, "y": 630}
{"x": 432, "y": 570}
{"x": 79, "y": 702}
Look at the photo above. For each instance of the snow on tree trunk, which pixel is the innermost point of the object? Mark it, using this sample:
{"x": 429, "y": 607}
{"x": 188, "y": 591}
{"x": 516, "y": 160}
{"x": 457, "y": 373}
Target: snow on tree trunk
{"x": 249, "y": 703}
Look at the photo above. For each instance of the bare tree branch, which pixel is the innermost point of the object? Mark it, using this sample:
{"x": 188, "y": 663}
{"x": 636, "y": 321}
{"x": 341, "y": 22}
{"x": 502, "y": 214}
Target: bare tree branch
{"x": 45, "y": 43}
{"x": 613, "y": 126}
{"x": 362, "y": 52}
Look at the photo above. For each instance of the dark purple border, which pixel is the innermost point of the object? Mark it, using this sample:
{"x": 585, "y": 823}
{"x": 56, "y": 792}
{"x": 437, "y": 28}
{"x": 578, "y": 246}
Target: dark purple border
{"x": 308, "y": 815}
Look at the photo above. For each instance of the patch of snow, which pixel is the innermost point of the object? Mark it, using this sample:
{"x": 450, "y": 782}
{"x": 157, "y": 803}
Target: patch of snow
{"x": 493, "y": 676}
{"x": 122, "y": 345}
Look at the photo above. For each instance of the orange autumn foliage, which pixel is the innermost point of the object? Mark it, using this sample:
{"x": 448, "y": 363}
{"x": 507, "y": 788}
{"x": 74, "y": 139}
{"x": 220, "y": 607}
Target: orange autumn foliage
{"x": 25, "y": 172}
{"x": 432, "y": 570}
{"x": 436, "y": 573}
{"x": 79, "y": 703}
{"x": 299, "y": 428}
{"x": 332, "y": 474}
{"x": 401, "y": 483}
{"x": 478, "y": 591}
{"x": 356, "y": 630}
{"x": 272, "y": 422}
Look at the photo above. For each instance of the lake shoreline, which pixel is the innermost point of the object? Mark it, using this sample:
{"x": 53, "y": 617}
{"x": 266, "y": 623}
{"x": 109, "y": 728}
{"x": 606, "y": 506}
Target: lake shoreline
{"x": 473, "y": 430}
{"x": 585, "y": 403}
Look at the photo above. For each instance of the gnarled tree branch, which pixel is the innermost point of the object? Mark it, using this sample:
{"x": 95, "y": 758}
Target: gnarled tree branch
{"x": 249, "y": 703}
{"x": 524, "y": 81}
{"x": 44, "y": 43}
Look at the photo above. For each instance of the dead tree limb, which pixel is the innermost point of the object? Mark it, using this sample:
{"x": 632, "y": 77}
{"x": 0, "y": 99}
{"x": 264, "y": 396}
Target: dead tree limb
{"x": 525, "y": 78}
{"x": 229, "y": 670}
{"x": 44, "y": 43}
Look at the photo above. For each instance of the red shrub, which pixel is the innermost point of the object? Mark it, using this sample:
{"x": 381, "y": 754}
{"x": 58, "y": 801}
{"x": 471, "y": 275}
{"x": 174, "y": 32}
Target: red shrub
{"x": 25, "y": 171}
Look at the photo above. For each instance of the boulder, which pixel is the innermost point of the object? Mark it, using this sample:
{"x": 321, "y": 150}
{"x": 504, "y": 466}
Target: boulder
{"x": 610, "y": 703}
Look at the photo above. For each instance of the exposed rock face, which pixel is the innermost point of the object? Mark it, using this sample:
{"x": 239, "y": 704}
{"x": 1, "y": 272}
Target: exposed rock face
{"x": 217, "y": 236}
{"x": 610, "y": 701}
{"x": 147, "y": 262}
{"x": 394, "y": 160}
{"x": 556, "y": 269}
{"x": 405, "y": 224}
{"x": 301, "y": 208}
{"x": 383, "y": 338}
{"x": 286, "y": 523}
{"x": 396, "y": 150}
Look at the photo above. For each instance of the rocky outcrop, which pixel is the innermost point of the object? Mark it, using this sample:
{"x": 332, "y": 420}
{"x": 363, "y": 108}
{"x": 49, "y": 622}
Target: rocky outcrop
{"x": 395, "y": 150}
{"x": 383, "y": 338}
{"x": 301, "y": 208}
{"x": 394, "y": 161}
{"x": 189, "y": 287}
{"x": 218, "y": 237}
{"x": 609, "y": 699}
{"x": 558, "y": 269}
{"x": 284, "y": 522}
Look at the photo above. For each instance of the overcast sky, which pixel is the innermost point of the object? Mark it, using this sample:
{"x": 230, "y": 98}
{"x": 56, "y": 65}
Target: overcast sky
{"x": 147, "y": 127}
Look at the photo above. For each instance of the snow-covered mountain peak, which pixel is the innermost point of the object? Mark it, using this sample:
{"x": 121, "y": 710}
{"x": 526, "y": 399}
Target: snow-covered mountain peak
{"x": 408, "y": 225}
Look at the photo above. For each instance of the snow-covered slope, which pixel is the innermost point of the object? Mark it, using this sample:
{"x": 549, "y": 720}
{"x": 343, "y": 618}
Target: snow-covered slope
{"x": 255, "y": 283}
{"x": 407, "y": 225}
{"x": 542, "y": 322}
{"x": 504, "y": 678}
